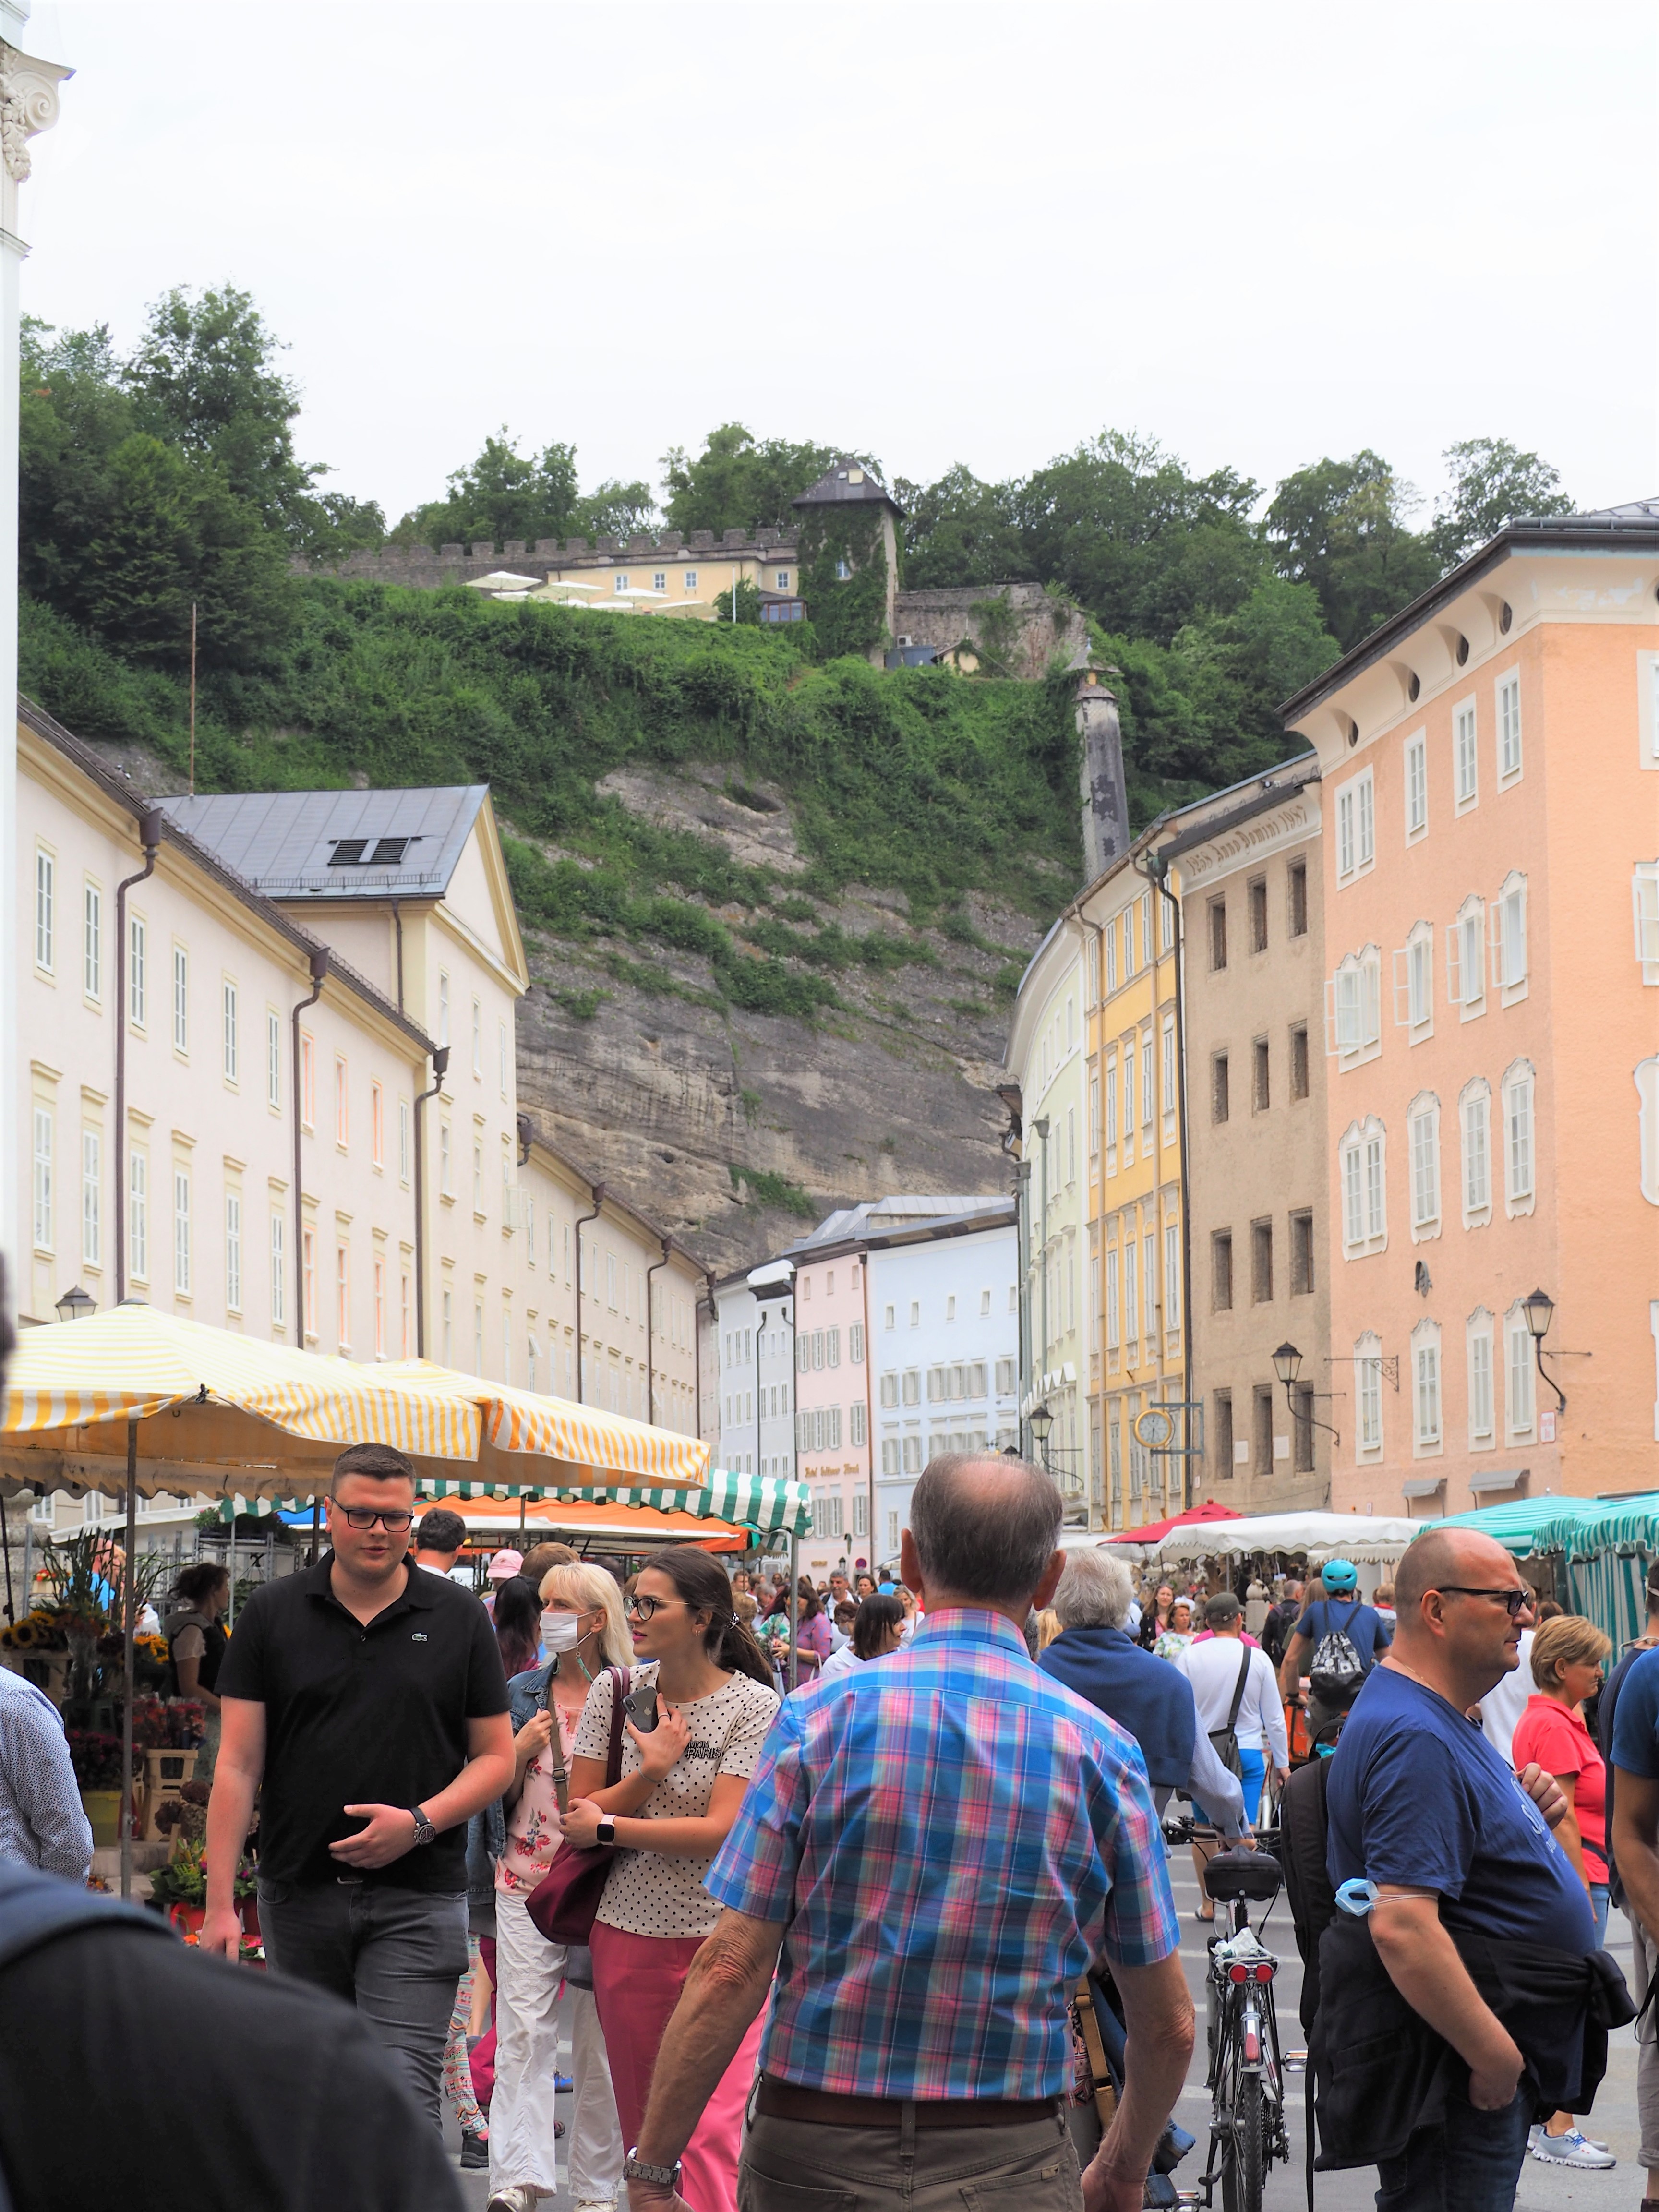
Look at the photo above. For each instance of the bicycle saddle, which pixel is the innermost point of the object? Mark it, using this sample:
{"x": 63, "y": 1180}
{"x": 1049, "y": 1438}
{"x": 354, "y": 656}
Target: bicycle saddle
{"x": 1253, "y": 1876}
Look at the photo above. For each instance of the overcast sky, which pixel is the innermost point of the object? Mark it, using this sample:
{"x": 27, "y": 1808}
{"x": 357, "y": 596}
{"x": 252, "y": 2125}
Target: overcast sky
{"x": 932, "y": 233}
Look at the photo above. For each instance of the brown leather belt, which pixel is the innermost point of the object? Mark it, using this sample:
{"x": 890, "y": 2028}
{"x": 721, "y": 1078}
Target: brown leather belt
{"x": 787, "y": 2100}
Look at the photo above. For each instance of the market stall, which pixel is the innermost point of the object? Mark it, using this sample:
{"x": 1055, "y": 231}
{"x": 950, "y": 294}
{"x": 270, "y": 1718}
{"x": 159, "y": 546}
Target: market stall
{"x": 1313, "y": 1536}
{"x": 1598, "y": 1550}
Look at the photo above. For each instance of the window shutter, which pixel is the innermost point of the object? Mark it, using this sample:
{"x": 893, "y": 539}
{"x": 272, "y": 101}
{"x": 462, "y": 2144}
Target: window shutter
{"x": 1644, "y": 893}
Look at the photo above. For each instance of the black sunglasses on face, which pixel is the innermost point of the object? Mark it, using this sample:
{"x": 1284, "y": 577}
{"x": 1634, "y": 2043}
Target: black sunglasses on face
{"x": 1517, "y": 1601}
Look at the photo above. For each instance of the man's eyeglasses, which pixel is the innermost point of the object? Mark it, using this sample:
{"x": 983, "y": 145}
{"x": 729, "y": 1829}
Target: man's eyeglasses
{"x": 647, "y": 1609}
{"x": 364, "y": 1516}
{"x": 1517, "y": 1601}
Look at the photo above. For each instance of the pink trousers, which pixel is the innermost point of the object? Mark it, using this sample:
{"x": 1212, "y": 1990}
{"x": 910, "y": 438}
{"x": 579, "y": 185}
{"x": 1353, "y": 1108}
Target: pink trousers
{"x": 637, "y": 1981}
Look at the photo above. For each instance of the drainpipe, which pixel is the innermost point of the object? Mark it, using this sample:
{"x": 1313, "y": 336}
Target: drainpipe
{"x": 440, "y": 1063}
{"x": 650, "y": 1361}
{"x": 598, "y": 1208}
{"x": 319, "y": 972}
{"x": 149, "y": 834}
{"x": 869, "y": 1406}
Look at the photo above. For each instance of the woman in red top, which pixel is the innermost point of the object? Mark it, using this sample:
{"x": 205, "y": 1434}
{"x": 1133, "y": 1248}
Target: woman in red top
{"x": 1567, "y": 1653}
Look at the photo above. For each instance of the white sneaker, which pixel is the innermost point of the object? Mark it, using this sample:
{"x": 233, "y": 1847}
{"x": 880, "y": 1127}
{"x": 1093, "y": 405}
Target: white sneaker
{"x": 1570, "y": 2150}
{"x": 522, "y": 2197}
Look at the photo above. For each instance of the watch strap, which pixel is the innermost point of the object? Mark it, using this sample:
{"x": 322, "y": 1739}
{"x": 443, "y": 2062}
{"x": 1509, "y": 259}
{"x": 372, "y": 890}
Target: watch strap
{"x": 424, "y": 1831}
{"x": 607, "y": 1831}
{"x": 664, "y": 2177}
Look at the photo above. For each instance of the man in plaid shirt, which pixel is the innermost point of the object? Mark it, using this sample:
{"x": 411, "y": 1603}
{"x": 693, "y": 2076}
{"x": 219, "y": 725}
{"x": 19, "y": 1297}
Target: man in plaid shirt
{"x": 929, "y": 1852}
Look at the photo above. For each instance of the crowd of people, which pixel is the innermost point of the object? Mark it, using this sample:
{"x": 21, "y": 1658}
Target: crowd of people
{"x": 805, "y": 1877}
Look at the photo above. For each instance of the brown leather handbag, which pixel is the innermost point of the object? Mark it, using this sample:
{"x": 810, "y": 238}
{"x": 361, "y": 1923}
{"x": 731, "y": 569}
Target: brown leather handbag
{"x": 564, "y": 1902}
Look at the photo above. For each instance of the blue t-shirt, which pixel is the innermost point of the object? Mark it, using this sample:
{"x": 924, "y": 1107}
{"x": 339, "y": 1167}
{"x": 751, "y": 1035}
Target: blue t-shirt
{"x": 1361, "y": 1624}
{"x": 1417, "y": 1796}
{"x": 1636, "y": 1717}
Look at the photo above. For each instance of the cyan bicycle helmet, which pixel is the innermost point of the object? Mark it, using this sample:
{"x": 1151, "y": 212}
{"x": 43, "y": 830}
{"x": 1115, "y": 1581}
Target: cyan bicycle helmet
{"x": 1338, "y": 1576}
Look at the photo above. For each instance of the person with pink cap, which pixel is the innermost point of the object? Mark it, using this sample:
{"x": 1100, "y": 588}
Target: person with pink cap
{"x": 503, "y": 1565}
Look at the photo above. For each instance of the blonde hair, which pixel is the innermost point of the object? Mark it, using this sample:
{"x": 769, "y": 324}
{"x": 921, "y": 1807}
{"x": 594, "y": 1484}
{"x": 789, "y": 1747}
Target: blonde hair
{"x": 1048, "y": 1627}
{"x": 591, "y": 1590}
{"x": 1569, "y": 1640}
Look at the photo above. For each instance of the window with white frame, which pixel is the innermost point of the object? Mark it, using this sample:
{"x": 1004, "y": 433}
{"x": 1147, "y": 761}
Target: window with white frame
{"x": 377, "y": 1125}
{"x": 1356, "y": 827}
{"x": 1112, "y": 1334}
{"x": 92, "y": 941}
{"x": 1417, "y": 786}
{"x": 1423, "y": 1125}
{"x": 232, "y": 1034}
{"x": 1131, "y": 1290}
{"x": 1353, "y": 1020}
{"x": 477, "y": 1043}
{"x": 233, "y": 1250}
{"x": 1478, "y": 1334}
{"x": 1518, "y": 1162}
{"x": 1128, "y": 1091}
{"x": 1109, "y": 1096}
{"x": 138, "y": 1213}
{"x": 1149, "y": 1283}
{"x": 1148, "y": 1105}
{"x": 1426, "y": 1386}
{"x": 1413, "y": 983}
{"x": 1094, "y": 1123}
{"x": 1645, "y": 899}
{"x": 443, "y": 1005}
{"x": 45, "y": 910}
{"x": 1170, "y": 1074}
{"x": 341, "y": 1102}
{"x": 1474, "y": 1124}
{"x": 1508, "y": 700}
{"x": 180, "y": 1000}
{"x": 1110, "y": 935}
{"x": 1509, "y": 939}
{"x": 92, "y": 1187}
{"x": 278, "y": 1271}
{"x": 273, "y": 1060}
{"x": 1466, "y": 762}
{"x": 137, "y": 977}
{"x": 1172, "y": 1275}
{"x": 1647, "y": 1094}
{"x": 45, "y": 1146}
{"x": 181, "y": 1231}
{"x": 1466, "y": 960}
{"x": 1363, "y": 1157}
{"x": 1521, "y": 1397}
{"x": 1368, "y": 1395}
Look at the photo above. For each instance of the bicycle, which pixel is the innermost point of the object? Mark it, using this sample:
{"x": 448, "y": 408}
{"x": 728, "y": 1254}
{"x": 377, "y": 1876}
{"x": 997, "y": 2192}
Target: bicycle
{"x": 1248, "y": 2134}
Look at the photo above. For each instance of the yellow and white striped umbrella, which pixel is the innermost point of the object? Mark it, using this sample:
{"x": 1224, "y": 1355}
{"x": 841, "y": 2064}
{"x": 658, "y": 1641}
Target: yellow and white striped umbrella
{"x": 207, "y": 1401}
{"x": 521, "y": 1426}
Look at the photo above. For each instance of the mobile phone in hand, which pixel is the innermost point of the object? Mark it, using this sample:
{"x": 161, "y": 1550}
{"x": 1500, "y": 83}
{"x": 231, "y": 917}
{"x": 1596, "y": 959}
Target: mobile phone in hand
{"x": 641, "y": 1707}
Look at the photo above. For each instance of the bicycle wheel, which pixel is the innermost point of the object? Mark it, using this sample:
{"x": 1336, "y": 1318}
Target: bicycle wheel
{"x": 1243, "y": 2156}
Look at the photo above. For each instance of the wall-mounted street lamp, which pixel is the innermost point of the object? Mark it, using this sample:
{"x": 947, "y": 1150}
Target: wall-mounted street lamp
{"x": 1042, "y": 1421}
{"x": 77, "y": 1304}
{"x": 1539, "y": 1309}
{"x": 1287, "y": 1365}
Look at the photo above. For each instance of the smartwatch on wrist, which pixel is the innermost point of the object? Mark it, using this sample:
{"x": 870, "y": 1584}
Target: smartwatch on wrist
{"x": 424, "y": 1831}
{"x": 662, "y": 2177}
{"x": 606, "y": 1832}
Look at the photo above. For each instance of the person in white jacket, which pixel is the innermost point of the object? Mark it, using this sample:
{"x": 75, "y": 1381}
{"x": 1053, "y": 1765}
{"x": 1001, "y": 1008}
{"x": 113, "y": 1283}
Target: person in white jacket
{"x": 1213, "y": 1668}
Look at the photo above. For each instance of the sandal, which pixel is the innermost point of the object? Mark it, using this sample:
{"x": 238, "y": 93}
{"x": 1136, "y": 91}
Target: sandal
{"x": 1204, "y": 1919}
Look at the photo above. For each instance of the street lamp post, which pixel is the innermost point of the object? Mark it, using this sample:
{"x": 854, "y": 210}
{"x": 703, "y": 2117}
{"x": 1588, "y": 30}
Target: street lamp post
{"x": 76, "y": 1305}
{"x": 1042, "y": 1421}
{"x": 1539, "y": 1309}
{"x": 1287, "y": 1365}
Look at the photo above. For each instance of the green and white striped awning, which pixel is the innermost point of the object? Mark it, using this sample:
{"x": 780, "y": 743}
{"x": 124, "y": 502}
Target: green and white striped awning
{"x": 756, "y": 1501}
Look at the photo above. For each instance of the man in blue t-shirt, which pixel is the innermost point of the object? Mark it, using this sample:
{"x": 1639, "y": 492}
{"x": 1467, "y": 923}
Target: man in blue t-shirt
{"x": 1633, "y": 1802}
{"x": 1421, "y": 1805}
{"x": 1340, "y": 1612}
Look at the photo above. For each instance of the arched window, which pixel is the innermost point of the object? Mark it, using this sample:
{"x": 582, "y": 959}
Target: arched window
{"x": 1368, "y": 1395}
{"x": 1363, "y": 1168}
{"x": 1479, "y": 1332}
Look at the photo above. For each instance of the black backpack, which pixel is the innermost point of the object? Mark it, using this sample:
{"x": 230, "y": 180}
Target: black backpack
{"x": 1304, "y": 1823}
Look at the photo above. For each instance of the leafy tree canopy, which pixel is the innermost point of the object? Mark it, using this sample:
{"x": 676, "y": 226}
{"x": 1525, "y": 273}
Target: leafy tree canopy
{"x": 1492, "y": 482}
{"x": 506, "y": 494}
{"x": 736, "y": 484}
{"x": 1341, "y": 526}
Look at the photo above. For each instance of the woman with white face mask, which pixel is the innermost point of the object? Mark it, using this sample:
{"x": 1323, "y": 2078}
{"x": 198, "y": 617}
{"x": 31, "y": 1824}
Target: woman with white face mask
{"x": 583, "y": 1632}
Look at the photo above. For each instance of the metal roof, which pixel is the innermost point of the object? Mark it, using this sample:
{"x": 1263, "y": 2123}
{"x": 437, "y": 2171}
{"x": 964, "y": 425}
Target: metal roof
{"x": 847, "y": 481}
{"x": 885, "y": 1217}
{"x": 337, "y": 844}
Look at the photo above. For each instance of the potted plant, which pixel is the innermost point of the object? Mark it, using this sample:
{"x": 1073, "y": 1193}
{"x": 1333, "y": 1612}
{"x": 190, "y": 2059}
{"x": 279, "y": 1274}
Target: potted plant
{"x": 180, "y": 1890}
{"x": 95, "y": 1755}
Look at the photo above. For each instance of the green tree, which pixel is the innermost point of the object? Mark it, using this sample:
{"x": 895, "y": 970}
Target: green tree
{"x": 1341, "y": 526}
{"x": 1492, "y": 482}
{"x": 735, "y": 484}
{"x": 961, "y": 531}
{"x": 506, "y": 494}
{"x": 1132, "y": 537}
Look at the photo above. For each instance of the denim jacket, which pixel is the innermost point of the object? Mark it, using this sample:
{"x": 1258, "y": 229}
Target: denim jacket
{"x": 486, "y": 1832}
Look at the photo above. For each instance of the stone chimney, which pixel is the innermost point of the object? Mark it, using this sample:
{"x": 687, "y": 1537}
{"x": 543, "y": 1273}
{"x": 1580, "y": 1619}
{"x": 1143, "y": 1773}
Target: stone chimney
{"x": 1100, "y": 776}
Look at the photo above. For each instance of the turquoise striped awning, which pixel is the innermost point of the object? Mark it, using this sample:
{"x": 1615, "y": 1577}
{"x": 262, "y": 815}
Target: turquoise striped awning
{"x": 758, "y": 1501}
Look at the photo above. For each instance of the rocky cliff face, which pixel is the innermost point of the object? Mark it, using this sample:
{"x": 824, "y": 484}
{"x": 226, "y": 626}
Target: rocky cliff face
{"x": 735, "y": 1129}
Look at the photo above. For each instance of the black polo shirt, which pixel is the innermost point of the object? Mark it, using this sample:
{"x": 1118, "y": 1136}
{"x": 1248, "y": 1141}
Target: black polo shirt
{"x": 357, "y": 1716}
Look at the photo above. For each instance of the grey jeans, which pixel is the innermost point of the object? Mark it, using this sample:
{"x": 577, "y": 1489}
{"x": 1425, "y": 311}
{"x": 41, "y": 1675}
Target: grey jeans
{"x": 1644, "y": 1964}
{"x": 803, "y": 2165}
{"x": 396, "y": 1954}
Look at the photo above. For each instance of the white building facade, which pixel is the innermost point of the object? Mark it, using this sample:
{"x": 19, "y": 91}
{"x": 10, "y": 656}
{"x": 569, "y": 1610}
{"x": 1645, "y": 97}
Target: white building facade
{"x": 755, "y": 1347}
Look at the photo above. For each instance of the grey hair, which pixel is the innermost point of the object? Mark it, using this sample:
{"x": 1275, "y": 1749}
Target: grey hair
{"x": 991, "y": 1539}
{"x": 1095, "y": 1591}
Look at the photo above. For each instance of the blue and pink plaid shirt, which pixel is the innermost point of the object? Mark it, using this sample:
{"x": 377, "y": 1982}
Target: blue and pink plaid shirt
{"x": 942, "y": 1830}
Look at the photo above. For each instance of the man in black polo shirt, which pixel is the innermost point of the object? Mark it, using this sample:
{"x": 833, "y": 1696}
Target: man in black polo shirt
{"x": 369, "y": 1699}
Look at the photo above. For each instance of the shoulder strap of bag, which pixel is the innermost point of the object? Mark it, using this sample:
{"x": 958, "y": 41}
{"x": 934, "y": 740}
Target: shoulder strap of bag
{"x": 1238, "y": 1686}
{"x": 620, "y": 1678}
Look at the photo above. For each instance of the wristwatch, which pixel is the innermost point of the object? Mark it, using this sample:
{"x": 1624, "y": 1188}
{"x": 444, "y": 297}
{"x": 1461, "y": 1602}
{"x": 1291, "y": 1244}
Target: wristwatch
{"x": 606, "y": 1832}
{"x": 662, "y": 2176}
{"x": 424, "y": 1831}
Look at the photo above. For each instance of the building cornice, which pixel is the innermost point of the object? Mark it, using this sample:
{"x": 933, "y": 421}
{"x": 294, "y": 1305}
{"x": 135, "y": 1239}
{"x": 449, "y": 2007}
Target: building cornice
{"x": 1292, "y": 823}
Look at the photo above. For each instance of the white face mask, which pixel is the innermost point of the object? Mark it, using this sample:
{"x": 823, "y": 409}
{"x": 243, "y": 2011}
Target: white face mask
{"x": 561, "y": 1632}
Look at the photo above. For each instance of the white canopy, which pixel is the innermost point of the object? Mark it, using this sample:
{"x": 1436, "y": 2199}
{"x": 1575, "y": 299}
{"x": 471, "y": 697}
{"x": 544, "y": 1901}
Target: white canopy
{"x": 1320, "y": 1535}
{"x": 504, "y": 579}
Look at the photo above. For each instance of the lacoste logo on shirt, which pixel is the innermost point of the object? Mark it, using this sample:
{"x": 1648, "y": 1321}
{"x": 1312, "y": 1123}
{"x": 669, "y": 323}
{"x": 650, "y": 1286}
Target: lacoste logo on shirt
{"x": 419, "y": 1637}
